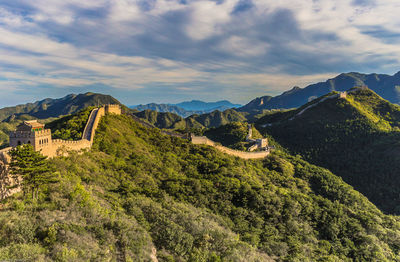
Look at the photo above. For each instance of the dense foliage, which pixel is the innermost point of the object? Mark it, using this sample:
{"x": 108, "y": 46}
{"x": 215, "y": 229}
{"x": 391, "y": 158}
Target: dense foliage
{"x": 70, "y": 127}
{"x": 357, "y": 138}
{"x": 31, "y": 169}
{"x": 140, "y": 194}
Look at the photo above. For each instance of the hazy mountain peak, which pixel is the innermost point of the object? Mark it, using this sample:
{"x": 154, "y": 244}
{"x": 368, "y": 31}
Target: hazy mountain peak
{"x": 384, "y": 85}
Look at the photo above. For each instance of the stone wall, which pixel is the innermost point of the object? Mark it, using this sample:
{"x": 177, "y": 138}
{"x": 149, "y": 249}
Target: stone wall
{"x": 41, "y": 141}
{"x": 61, "y": 147}
{"x": 197, "y": 140}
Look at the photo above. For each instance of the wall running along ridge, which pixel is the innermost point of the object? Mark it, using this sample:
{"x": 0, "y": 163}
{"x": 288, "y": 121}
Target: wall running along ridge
{"x": 57, "y": 147}
{"x": 52, "y": 147}
{"x": 202, "y": 140}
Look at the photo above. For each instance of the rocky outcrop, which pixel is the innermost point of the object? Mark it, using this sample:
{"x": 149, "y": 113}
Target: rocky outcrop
{"x": 8, "y": 183}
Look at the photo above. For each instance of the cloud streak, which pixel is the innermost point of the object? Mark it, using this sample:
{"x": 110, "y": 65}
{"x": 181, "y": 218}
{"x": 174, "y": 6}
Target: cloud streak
{"x": 170, "y": 50}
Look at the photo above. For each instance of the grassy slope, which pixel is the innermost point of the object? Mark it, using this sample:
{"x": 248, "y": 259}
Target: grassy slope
{"x": 138, "y": 190}
{"x": 357, "y": 138}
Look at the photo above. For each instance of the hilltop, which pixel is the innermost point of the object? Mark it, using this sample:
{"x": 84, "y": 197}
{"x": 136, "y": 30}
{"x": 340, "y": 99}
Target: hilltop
{"x": 140, "y": 195}
{"x": 384, "y": 85}
{"x": 356, "y": 137}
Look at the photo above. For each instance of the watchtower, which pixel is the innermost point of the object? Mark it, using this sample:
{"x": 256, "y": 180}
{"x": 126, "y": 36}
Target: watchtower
{"x": 343, "y": 95}
{"x": 114, "y": 109}
{"x": 31, "y": 132}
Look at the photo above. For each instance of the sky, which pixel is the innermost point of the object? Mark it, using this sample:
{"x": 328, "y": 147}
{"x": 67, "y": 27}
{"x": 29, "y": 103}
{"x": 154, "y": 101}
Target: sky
{"x": 168, "y": 51}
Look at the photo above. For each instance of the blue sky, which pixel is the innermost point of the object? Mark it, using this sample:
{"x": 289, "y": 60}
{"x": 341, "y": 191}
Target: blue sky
{"x": 143, "y": 51}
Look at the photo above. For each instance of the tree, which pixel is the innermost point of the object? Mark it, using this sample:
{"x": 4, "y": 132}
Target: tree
{"x": 32, "y": 167}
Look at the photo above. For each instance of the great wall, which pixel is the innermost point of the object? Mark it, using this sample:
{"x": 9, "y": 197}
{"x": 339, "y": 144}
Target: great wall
{"x": 41, "y": 140}
{"x": 32, "y": 132}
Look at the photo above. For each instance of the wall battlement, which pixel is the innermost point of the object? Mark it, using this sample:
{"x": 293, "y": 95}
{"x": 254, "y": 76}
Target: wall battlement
{"x": 68, "y": 142}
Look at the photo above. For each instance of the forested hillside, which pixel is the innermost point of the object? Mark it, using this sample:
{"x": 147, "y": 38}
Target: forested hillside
{"x": 173, "y": 121}
{"x": 139, "y": 194}
{"x": 356, "y": 138}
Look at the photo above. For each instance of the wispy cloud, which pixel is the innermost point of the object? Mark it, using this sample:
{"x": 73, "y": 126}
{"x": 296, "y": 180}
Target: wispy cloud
{"x": 150, "y": 50}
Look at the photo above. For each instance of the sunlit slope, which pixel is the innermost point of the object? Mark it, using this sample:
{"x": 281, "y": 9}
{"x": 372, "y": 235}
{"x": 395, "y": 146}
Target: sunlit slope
{"x": 356, "y": 137}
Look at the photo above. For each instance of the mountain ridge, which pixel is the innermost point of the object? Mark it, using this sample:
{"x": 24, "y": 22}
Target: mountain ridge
{"x": 385, "y": 85}
{"x": 188, "y": 108}
{"x": 50, "y": 107}
{"x": 356, "y": 137}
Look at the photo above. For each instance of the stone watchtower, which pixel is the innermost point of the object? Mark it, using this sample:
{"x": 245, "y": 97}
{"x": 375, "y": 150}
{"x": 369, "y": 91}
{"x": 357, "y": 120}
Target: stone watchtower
{"x": 31, "y": 132}
{"x": 114, "y": 109}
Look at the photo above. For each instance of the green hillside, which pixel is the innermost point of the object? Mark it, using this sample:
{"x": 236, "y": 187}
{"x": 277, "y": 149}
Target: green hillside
{"x": 70, "y": 127}
{"x": 356, "y": 138}
{"x": 139, "y": 194}
{"x": 218, "y": 118}
{"x": 232, "y": 135}
{"x": 173, "y": 121}
{"x": 162, "y": 119}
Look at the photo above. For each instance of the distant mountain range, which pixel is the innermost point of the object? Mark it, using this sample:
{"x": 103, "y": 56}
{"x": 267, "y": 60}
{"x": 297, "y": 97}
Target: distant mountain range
{"x": 188, "y": 108}
{"x": 197, "y": 105}
{"x": 56, "y": 107}
{"x": 386, "y": 86}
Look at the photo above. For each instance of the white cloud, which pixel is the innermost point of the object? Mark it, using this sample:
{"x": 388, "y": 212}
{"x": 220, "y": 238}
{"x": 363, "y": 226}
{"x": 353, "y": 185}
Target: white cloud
{"x": 124, "y": 10}
{"x": 208, "y": 17}
{"x": 243, "y": 47}
{"x": 124, "y": 45}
